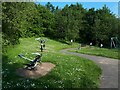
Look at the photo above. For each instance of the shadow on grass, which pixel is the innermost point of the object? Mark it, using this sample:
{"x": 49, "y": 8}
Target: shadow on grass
{"x": 8, "y": 71}
{"x": 8, "y": 64}
{"x": 60, "y": 40}
{"x": 51, "y": 80}
{"x": 65, "y": 42}
{"x": 12, "y": 80}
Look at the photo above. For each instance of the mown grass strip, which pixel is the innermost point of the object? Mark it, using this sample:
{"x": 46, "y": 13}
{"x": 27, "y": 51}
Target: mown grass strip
{"x": 110, "y": 53}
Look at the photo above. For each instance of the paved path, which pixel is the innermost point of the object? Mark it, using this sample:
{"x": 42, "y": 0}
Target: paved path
{"x": 109, "y": 78}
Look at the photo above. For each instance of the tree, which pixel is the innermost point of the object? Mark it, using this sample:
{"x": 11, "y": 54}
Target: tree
{"x": 69, "y": 21}
{"x": 50, "y": 7}
{"x": 10, "y": 32}
{"x": 47, "y": 20}
{"x": 23, "y": 19}
{"x": 19, "y": 20}
{"x": 104, "y": 26}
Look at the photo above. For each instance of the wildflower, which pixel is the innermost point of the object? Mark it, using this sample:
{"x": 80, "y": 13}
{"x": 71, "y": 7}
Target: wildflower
{"x": 45, "y": 86}
{"x": 32, "y": 84}
{"x": 27, "y": 80}
{"x": 17, "y": 84}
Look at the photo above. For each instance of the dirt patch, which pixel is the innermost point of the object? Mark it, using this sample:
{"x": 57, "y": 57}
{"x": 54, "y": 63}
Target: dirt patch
{"x": 40, "y": 70}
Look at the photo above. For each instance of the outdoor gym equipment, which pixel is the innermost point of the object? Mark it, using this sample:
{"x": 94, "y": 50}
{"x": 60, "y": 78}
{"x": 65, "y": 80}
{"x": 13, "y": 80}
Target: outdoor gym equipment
{"x": 115, "y": 42}
{"x": 33, "y": 63}
{"x": 42, "y": 43}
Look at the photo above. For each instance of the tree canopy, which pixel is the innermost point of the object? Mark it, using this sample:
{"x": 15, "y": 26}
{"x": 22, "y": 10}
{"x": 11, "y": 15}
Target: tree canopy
{"x": 27, "y": 19}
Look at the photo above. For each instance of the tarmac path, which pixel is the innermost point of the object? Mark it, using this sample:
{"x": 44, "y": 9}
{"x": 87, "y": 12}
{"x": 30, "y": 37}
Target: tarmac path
{"x": 109, "y": 66}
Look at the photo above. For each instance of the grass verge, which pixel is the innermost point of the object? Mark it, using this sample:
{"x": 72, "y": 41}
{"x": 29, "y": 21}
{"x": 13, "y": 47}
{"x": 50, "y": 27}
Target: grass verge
{"x": 110, "y": 53}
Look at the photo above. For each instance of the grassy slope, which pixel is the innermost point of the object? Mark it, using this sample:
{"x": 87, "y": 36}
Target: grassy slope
{"x": 70, "y": 71}
{"x": 111, "y": 53}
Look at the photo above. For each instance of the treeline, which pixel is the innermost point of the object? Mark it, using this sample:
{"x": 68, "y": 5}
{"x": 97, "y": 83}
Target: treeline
{"x": 27, "y": 19}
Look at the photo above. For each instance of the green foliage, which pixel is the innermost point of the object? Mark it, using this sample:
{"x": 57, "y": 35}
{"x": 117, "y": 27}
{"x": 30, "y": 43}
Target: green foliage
{"x": 104, "y": 25}
{"x": 27, "y": 19}
{"x": 9, "y": 29}
{"x": 22, "y": 19}
{"x": 19, "y": 20}
{"x": 50, "y": 7}
{"x": 101, "y": 25}
{"x": 69, "y": 21}
{"x": 47, "y": 20}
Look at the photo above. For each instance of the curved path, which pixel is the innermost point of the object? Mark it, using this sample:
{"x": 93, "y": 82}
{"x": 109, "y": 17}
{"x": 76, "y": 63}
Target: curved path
{"x": 109, "y": 78}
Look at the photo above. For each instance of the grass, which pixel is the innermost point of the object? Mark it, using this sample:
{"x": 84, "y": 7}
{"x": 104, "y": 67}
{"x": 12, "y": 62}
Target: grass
{"x": 70, "y": 71}
{"x": 110, "y": 53}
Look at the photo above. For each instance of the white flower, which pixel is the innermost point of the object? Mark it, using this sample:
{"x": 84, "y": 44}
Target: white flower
{"x": 32, "y": 84}
{"x": 17, "y": 84}
{"x": 45, "y": 86}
